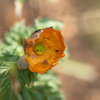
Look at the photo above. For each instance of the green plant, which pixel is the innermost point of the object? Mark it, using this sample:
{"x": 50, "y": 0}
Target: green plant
{"x": 23, "y": 84}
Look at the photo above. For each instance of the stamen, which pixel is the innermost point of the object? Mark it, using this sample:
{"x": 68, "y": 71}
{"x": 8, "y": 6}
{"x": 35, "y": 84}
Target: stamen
{"x": 39, "y": 48}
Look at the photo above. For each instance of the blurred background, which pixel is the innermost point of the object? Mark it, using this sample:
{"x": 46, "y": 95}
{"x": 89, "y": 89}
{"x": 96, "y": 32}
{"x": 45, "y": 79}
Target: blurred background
{"x": 80, "y": 71}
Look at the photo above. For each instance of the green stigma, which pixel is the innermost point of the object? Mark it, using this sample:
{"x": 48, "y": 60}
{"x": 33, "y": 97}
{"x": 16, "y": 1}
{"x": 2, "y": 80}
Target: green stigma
{"x": 39, "y": 48}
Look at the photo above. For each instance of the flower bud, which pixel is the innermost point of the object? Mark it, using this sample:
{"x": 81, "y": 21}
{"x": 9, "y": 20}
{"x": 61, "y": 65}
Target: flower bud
{"x": 22, "y": 64}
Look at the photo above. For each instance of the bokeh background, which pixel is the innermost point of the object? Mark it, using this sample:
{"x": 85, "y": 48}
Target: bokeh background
{"x": 80, "y": 71}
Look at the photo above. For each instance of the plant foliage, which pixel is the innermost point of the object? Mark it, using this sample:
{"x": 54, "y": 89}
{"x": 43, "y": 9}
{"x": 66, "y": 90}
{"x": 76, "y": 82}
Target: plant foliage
{"x": 23, "y": 84}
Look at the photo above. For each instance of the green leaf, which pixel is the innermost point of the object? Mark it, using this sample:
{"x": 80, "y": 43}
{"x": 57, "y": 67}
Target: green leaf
{"x": 44, "y": 23}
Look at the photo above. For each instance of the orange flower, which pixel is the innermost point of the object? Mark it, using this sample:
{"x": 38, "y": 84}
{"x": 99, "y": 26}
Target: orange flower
{"x": 43, "y": 49}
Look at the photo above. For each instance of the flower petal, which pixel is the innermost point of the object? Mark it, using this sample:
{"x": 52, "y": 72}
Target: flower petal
{"x": 35, "y": 67}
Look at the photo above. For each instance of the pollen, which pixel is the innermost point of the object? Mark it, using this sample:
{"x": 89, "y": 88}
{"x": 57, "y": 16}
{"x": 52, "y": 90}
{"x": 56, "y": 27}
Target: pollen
{"x": 39, "y": 48}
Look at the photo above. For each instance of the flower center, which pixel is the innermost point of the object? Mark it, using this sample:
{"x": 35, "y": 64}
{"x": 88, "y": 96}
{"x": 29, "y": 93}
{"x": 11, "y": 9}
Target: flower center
{"x": 39, "y": 48}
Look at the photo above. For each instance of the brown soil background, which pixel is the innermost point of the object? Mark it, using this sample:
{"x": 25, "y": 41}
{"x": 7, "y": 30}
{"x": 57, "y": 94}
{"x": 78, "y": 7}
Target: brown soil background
{"x": 69, "y": 12}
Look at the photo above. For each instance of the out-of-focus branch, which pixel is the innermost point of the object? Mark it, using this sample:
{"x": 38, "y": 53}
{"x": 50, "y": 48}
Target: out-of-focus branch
{"x": 19, "y": 7}
{"x": 15, "y": 82}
